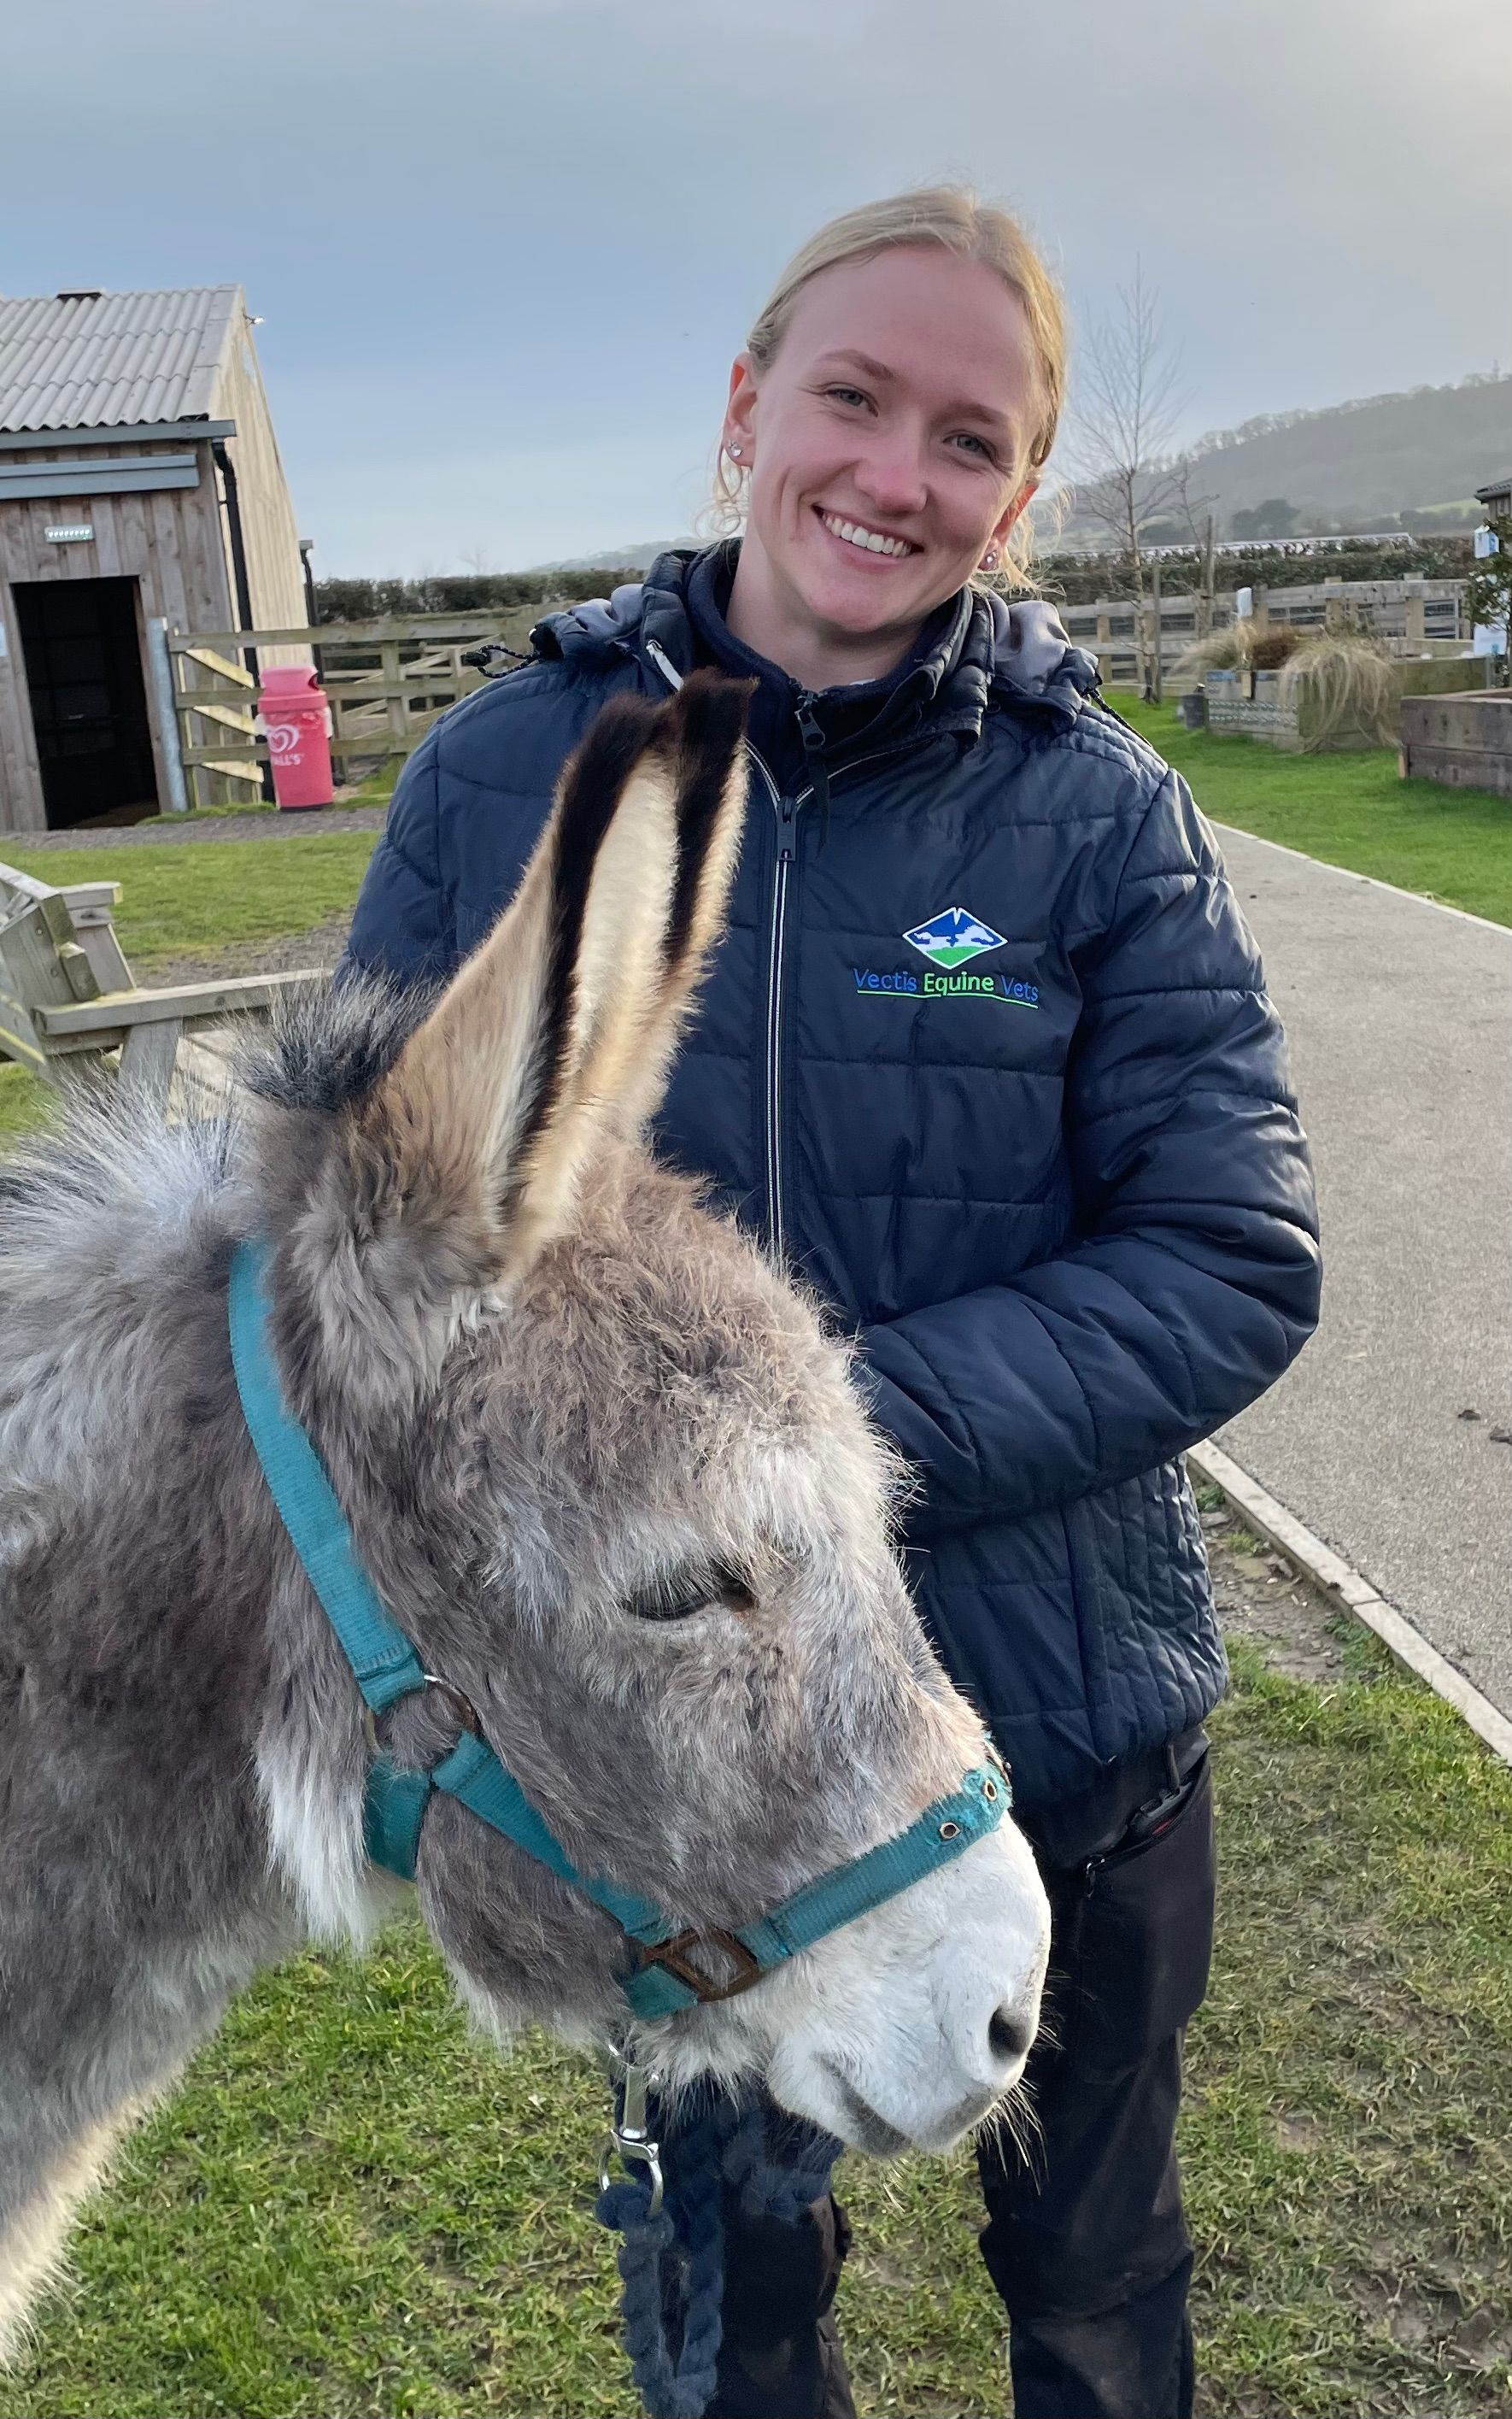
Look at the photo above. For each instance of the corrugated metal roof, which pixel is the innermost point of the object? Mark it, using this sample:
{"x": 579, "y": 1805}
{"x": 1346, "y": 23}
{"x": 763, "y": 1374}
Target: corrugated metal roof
{"x": 113, "y": 360}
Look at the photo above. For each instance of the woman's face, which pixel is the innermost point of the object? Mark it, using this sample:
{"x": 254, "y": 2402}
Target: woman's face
{"x": 900, "y": 405}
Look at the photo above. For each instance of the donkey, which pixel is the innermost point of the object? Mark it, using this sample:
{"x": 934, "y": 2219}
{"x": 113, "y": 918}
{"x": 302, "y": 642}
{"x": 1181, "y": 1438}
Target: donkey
{"x": 599, "y": 1461}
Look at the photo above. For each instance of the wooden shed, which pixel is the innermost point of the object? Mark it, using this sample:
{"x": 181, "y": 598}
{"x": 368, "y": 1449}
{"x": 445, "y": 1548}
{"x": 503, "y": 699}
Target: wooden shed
{"x": 141, "y": 490}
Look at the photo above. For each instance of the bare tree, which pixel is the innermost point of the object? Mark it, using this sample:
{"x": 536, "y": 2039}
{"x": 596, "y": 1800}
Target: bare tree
{"x": 1128, "y": 401}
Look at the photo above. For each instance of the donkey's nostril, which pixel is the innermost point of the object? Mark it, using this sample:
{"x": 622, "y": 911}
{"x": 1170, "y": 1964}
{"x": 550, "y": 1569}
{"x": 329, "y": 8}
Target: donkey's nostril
{"x": 1010, "y": 2035}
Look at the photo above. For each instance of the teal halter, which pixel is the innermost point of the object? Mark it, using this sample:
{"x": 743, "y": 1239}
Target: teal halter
{"x": 661, "y": 1977}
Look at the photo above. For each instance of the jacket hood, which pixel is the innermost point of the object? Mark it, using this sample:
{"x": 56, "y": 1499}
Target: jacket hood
{"x": 1017, "y": 653}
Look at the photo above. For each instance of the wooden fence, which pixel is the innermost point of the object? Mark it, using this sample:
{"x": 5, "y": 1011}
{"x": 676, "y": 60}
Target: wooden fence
{"x": 1413, "y": 616}
{"x": 386, "y": 682}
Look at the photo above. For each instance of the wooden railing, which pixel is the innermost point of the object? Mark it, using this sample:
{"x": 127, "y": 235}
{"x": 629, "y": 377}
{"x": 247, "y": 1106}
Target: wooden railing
{"x": 1412, "y": 616}
{"x": 387, "y": 682}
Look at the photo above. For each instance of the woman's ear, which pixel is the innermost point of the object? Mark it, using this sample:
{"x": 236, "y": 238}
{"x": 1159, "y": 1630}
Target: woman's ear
{"x": 1010, "y": 512}
{"x": 740, "y": 410}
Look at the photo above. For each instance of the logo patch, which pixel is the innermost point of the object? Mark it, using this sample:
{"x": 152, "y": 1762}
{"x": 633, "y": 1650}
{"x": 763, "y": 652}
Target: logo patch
{"x": 953, "y": 937}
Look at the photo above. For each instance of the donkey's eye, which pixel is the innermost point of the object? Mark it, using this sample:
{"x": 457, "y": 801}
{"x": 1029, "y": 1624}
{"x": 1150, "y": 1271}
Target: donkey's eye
{"x": 674, "y": 1597}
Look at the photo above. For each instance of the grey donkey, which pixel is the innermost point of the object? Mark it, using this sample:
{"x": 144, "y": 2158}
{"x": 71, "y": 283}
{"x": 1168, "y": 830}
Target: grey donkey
{"x": 603, "y": 1466}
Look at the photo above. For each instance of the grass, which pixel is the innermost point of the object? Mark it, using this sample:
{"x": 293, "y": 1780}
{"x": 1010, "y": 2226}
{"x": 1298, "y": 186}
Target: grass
{"x": 352, "y": 2208}
{"x": 1454, "y": 845}
{"x": 189, "y": 899}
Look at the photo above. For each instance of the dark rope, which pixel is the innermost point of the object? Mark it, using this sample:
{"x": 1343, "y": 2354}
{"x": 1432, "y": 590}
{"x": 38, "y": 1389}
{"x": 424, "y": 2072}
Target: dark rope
{"x": 672, "y": 2266}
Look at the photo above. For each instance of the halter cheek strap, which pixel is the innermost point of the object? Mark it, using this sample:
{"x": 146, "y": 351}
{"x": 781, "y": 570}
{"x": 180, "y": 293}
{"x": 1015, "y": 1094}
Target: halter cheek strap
{"x": 668, "y": 1969}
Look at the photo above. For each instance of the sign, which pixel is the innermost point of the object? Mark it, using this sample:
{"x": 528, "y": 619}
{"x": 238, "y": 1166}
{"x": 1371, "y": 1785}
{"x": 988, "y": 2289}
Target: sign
{"x": 1487, "y": 543}
{"x": 1243, "y": 605}
{"x": 69, "y": 533}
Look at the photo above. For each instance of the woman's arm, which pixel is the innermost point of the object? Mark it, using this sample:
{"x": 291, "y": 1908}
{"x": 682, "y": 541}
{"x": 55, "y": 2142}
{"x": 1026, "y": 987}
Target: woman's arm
{"x": 403, "y": 923}
{"x": 1197, "y": 1277}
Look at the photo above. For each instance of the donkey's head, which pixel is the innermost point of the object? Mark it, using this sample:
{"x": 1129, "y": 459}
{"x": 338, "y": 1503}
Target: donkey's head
{"x": 613, "y": 1479}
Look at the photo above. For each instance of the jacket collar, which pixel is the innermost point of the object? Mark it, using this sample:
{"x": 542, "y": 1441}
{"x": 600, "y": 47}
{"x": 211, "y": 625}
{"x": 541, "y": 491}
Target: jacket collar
{"x": 985, "y": 652}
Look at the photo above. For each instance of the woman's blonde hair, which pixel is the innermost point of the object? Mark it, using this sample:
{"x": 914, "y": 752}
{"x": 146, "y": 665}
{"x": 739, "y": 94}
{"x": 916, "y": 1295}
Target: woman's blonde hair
{"x": 953, "y": 218}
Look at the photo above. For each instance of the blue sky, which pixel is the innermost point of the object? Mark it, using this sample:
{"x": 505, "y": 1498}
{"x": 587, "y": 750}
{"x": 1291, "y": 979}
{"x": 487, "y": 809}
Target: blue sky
{"x": 504, "y": 250}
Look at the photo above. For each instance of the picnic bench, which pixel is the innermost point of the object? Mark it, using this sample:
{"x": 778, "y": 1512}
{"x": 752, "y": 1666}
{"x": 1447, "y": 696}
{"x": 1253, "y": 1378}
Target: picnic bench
{"x": 68, "y": 998}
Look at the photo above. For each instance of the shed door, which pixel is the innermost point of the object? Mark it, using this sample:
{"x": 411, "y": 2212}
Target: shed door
{"x": 89, "y": 706}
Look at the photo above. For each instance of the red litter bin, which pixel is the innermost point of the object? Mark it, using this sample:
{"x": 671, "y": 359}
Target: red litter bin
{"x": 295, "y": 719}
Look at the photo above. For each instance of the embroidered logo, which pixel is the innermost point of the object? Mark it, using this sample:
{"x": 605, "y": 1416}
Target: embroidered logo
{"x": 953, "y": 937}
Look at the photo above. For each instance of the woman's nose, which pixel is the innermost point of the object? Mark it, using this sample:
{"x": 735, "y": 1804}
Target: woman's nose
{"x": 893, "y": 479}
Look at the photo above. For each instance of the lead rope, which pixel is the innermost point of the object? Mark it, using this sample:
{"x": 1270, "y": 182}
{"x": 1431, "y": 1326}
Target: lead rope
{"x": 671, "y": 2254}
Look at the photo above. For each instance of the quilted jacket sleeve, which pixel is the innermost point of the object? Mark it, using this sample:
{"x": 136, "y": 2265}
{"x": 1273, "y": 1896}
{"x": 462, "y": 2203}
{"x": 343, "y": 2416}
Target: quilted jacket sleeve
{"x": 404, "y": 924}
{"x": 1195, "y": 1275}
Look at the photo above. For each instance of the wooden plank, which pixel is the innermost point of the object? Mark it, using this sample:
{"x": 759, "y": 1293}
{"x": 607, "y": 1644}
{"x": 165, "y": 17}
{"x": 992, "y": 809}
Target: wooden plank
{"x": 40, "y": 962}
{"x": 207, "y": 706}
{"x": 147, "y": 1059}
{"x": 118, "y": 1010}
{"x": 211, "y": 662}
{"x": 378, "y": 741}
{"x": 14, "y": 885}
{"x": 424, "y": 627}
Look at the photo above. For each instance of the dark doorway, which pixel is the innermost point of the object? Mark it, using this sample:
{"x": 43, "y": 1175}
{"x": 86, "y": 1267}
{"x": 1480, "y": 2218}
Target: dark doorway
{"x": 89, "y": 705}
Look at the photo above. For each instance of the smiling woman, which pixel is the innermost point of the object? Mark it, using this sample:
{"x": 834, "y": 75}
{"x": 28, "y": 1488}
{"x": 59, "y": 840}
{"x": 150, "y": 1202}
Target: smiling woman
{"x": 1069, "y": 1240}
{"x": 886, "y": 424}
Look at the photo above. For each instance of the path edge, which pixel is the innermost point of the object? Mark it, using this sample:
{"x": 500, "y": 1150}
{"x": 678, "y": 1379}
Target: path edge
{"x": 1420, "y": 898}
{"x": 1351, "y": 1592}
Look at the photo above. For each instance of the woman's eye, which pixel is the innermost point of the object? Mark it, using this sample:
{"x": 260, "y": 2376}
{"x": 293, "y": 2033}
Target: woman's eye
{"x": 673, "y": 1599}
{"x": 846, "y": 394}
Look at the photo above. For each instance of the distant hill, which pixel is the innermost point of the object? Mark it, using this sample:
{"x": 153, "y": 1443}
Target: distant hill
{"x": 1357, "y": 465}
{"x": 619, "y": 557}
{"x": 1366, "y": 462}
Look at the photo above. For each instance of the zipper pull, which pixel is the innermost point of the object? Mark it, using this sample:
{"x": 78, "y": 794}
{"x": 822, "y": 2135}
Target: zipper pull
{"x": 813, "y": 737}
{"x": 787, "y": 830}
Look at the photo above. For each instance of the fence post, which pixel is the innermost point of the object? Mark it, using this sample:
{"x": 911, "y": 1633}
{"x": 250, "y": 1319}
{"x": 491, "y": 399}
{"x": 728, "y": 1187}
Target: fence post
{"x": 1157, "y": 675}
{"x": 161, "y": 662}
{"x": 398, "y": 703}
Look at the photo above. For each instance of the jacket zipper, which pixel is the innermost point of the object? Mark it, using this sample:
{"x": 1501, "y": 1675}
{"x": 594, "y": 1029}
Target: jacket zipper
{"x": 787, "y": 811}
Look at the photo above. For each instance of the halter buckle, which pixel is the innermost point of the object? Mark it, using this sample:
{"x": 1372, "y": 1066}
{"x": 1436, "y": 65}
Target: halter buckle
{"x": 674, "y": 1955}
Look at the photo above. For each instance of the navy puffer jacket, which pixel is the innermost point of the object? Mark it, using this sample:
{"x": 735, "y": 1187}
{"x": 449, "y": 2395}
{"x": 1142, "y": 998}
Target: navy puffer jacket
{"x": 986, "y": 1054}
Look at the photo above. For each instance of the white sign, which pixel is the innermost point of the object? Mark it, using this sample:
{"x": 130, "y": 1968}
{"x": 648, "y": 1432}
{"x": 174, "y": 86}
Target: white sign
{"x": 1243, "y": 605}
{"x": 69, "y": 533}
{"x": 1487, "y": 543}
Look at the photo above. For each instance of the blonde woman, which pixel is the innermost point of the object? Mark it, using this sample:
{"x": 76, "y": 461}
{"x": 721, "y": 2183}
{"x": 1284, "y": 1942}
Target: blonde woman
{"x": 986, "y": 1057}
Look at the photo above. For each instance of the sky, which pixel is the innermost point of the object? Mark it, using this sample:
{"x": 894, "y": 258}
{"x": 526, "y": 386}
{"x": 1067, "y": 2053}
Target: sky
{"x": 504, "y": 250}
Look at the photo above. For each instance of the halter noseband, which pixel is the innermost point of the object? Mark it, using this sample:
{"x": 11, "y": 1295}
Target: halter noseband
{"x": 662, "y": 1974}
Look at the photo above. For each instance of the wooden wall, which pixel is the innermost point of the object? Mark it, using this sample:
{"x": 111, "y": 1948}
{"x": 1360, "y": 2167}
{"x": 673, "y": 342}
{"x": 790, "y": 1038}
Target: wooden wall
{"x": 169, "y": 540}
{"x": 270, "y": 532}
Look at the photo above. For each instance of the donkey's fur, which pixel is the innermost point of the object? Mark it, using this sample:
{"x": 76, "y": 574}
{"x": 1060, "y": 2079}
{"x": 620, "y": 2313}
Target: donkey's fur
{"x": 603, "y": 1468}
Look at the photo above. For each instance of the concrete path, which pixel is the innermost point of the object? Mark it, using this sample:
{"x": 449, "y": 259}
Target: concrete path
{"x": 254, "y": 825}
{"x": 1400, "y": 1019}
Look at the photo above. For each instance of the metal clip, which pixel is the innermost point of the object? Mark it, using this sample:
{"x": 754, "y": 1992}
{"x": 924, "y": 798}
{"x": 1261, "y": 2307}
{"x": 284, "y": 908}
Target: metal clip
{"x": 629, "y": 2137}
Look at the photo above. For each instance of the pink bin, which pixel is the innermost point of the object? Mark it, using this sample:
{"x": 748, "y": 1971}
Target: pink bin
{"x": 295, "y": 719}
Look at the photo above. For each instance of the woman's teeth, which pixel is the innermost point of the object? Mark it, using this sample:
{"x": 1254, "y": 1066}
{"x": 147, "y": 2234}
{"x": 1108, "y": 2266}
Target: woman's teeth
{"x": 870, "y": 541}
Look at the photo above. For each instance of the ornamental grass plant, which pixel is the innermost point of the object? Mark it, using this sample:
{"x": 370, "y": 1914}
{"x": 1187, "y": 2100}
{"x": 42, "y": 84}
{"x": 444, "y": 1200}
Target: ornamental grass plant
{"x": 1345, "y": 690}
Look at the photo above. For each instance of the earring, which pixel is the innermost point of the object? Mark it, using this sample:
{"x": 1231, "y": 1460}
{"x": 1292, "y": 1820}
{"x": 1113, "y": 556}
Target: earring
{"x": 734, "y": 453}
{"x": 989, "y": 560}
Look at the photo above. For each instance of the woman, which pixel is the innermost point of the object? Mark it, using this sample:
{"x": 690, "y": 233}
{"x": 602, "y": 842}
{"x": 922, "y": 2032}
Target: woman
{"x": 987, "y": 1056}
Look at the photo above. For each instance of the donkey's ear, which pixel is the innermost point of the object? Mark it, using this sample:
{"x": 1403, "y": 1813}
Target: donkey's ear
{"x": 558, "y": 1031}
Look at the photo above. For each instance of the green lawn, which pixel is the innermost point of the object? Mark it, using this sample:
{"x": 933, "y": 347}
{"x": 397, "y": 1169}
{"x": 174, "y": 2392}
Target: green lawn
{"x": 1455, "y": 845}
{"x": 189, "y": 899}
{"x": 352, "y": 2208}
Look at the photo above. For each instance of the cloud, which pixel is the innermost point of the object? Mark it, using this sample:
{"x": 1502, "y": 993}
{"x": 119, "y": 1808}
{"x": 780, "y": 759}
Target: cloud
{"x": 506, "y": 251}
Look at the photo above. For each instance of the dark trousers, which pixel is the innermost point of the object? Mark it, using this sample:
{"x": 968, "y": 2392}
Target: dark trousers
{"x": 1087, "y": 2244}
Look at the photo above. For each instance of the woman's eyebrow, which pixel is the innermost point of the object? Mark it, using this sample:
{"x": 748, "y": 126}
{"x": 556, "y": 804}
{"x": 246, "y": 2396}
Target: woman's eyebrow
{"x": 879, "y": 371}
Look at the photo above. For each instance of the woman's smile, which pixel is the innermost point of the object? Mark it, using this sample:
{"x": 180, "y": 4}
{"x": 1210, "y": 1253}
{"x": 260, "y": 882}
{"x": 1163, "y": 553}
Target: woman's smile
{"x": 859, "y": 539}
